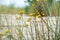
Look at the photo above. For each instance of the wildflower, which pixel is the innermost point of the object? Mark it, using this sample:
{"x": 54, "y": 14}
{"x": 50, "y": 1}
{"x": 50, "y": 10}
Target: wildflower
{"x": 31, "y": 14}
{"x": 19, "y": 18}
{"x": 44, "y": 1}
{"x": 21, "y": 12}
{"x": 1, "y": 34}
{"x": 6, "y": 31}
{"x": 43, "y": 14}
{"x": 37, "y": 0}
{"x": 26, "y": 25}
{"x": 33, "y": 5}
{"x": 38, "y": 16}
{"x": 28, "y": 19}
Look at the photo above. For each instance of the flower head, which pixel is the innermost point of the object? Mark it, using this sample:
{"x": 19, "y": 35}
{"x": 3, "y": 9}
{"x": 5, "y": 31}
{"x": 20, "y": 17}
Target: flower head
{"x": 31, "y": 14}
{"x": 19, "y": 18}
{"x": 28, "y": 19}
{"x": 33, "y": 5}
{"x": 21, "y": 12}
{"x": 1, "y": 34}
{"x": 37, "y": 0}
{"x": 44, "y": 1}
{"x": 26, "y": 25}
{"x": 38, "y": 16}
{"x": 43, "y": 13}
{"x": 6, "y": 31}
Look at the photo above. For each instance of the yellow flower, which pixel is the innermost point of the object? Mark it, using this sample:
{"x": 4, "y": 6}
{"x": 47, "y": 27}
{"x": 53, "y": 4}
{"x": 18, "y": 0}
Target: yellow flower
{"x": 19, "y": 18}
{"x": 21, "y": 12}
{"x": 38, "y": 16}
{"x": 44, "y": 1}
{"x": 1, "y": 34}
{"x": 43, "y": 14}
{"x": 37, "y": 0}
{"x": 31, "y": 14}
{"x": 26, "y": 25}
{"x": 28, "y": 19}
{"x": 33, "y": 5}
{"x": 6, "y": 31}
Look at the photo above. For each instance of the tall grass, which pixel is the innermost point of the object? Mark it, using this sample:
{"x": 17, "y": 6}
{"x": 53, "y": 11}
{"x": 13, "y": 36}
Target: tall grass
{"x": 42, "y": 28}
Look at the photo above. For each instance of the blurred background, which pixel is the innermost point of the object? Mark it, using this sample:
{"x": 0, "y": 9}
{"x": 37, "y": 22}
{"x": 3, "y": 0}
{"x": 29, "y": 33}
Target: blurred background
{"x": 29, "y": 19}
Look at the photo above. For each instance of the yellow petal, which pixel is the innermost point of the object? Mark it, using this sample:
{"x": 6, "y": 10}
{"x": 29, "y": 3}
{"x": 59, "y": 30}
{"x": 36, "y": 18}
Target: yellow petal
{"x": 17, "y": 17}
{"x": 38, "y": 16}
{"x": 21, "y": 12}
{"x": 37, "y": 0}
{"x": 44, "y": 1}
{"x": 43, "y": 14}
{"x": 26, "y": 25}
{"x": 6, "y": 31}
{"x": 20, "y": 18}
{"x": 28, "y": 19}
{"x": 31, "y": 14}
{"x": 33, "y": 5}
